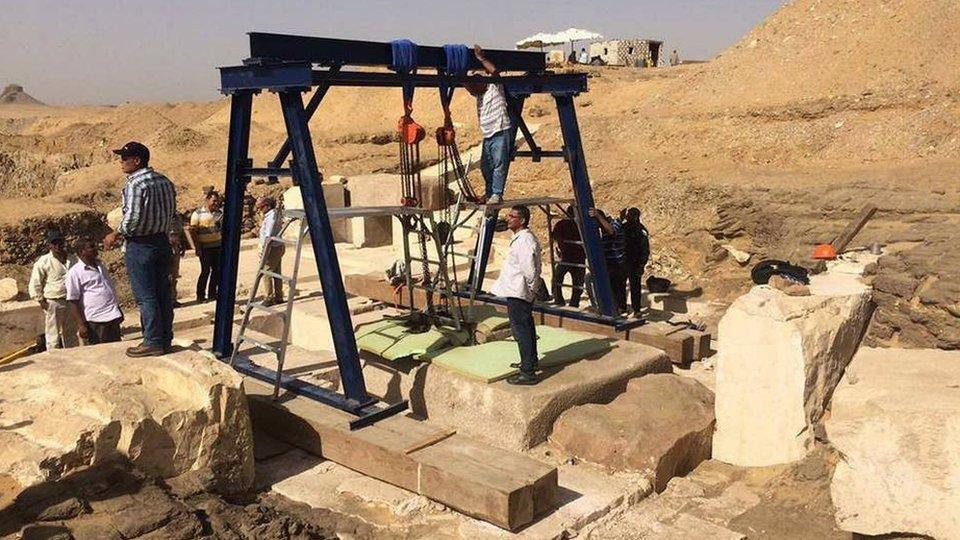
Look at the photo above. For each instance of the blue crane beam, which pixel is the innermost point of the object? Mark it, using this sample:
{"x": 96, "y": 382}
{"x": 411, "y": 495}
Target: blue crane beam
{"x": 277, "y": 76}
{"x": 328, "y": 51}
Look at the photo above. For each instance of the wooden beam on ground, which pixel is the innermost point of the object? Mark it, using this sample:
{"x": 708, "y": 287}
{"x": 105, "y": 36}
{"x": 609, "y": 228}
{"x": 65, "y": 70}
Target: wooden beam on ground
{"x": 505, "y": 488}
{"x": 681, "y": 345}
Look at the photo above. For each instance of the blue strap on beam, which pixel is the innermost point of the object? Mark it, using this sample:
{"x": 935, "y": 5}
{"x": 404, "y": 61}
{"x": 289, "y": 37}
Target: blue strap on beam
{"x": 457, "y": 58}
{"x": 404, "y": 62}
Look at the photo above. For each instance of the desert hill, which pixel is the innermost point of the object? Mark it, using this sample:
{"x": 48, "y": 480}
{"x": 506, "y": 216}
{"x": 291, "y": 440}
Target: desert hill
{"x": 14, "y": 94}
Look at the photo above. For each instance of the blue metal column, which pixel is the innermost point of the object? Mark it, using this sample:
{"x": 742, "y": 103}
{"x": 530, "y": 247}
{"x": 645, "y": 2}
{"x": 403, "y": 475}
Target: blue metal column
{"x": 241, "y": 105}
{"x": 584, "y": 198}
{"x": 324, "y": 251}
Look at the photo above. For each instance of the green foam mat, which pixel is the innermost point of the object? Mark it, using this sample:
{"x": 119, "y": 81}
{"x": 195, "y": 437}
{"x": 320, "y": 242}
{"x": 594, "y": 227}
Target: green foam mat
{"x": 391, "y": 340}
{"x": 490, "y": 362}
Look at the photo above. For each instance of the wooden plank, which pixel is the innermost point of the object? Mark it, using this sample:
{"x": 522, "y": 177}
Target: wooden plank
{"x": 678, "y": 346}
{"x": 499, "y": 486}
{"x": 429, "y": 441}
{"x": 462, "y": 470}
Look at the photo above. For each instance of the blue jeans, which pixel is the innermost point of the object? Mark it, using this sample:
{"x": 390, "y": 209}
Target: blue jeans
{"x": 148, "y": 262}
{"x": 520, "y": 313}
{"x": 495, "y": 161}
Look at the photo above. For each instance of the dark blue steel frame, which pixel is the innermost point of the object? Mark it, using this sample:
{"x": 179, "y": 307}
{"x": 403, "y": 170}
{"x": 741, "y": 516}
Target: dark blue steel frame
{"x": 285, "y": 65}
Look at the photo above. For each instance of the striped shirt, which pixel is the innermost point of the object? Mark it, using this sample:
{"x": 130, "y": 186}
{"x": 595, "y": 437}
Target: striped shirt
{"x": 492, "y": 111}
{"x": 149, "y": 203}
{"x": 207, "y": 226}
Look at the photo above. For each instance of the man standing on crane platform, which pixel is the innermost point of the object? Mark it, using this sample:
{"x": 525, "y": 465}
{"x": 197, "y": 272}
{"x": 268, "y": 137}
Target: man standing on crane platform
{"x": 518, "y": 282}
{"x": 497, "y": 130}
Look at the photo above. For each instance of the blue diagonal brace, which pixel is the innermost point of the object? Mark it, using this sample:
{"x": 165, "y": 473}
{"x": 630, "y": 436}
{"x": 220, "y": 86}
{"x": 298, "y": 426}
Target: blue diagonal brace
{"x": 324, "y": 251}
{"x": 310, "y": 109}
{"x": 583, "y": 195}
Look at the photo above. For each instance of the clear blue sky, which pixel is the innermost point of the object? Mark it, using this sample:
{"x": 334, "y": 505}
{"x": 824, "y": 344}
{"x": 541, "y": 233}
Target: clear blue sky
{"x": 110, "y": 51}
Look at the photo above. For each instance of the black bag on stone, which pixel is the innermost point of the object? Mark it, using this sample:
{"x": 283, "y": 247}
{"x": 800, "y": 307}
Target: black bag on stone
{"x": 764, "y": 270}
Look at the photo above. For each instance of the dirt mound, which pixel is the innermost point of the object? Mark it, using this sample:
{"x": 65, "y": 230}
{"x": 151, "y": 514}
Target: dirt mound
{"x": 812, "y": 50}
{"x": 14, "y": 94}
{"x": 26, "y": 221}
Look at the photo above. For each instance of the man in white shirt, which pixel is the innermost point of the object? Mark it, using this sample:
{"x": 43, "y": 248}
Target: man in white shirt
{"x": 497, "y": 131}
{"x": 48, "y": 287}
{"x": 518, "y": 282}
{"x": 273, "y": 250}
{"x": 93, "y": 297}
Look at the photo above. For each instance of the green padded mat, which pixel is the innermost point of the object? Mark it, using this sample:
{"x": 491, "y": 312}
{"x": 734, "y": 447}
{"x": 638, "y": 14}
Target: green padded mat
{"x": 391, "y": 340}
{"x": 491, "y": 361}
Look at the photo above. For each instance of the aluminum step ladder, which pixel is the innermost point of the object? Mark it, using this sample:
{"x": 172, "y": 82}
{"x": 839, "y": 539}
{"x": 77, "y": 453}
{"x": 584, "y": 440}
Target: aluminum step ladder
{"x": 285, "y": 313}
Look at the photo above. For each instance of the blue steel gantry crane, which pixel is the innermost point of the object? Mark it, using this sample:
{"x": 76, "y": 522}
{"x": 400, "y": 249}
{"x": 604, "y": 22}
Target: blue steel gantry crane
{"x": 291, "y": 65}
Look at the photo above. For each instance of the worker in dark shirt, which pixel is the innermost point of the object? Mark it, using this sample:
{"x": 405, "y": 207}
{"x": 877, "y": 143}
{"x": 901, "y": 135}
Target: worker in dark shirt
{"x": 611, "y": 235}
{"x": 636, "y": 240}
{"x": 569, "y": 248}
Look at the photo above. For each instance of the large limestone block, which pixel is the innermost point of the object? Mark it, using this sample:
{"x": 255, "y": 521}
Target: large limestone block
{"x": 114, "y": 217}
{"x": 895, "y": 419}
{"x": 181, "y": 415}
{"x": 386, "y": 190}
{"x": 663, "y": 423}
{"x": 334, "y": 196}
{"x": 780, "y": 357}
{"x": 371, "y": 231}
{"x": 521, "y": 417}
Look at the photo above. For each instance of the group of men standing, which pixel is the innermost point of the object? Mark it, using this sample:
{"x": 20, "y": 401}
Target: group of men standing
{"x": 79, "y": 297}
{"x": 626, "y": 244}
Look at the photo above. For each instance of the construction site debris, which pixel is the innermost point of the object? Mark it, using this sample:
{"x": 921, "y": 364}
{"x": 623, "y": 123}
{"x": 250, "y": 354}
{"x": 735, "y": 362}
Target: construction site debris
{"x": 663, "y": 423}
{"x": 780, "y": 359}
{"x": 895, "y": 419}
{"x": 181, "y": 416}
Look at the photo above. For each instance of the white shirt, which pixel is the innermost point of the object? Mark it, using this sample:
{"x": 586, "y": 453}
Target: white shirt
{"x": 520, "y": 274}
{"x": 93, "y": 287}
{"x": 269, "y": 227}
{"x": 49, "y": 276}
{"x": 492, "y": 111}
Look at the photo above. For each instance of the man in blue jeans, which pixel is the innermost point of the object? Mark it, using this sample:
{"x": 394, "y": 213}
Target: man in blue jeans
{"x": 497, "y": 131}
{"x": 149, "y": 206}
{"x": 518, "y": 282}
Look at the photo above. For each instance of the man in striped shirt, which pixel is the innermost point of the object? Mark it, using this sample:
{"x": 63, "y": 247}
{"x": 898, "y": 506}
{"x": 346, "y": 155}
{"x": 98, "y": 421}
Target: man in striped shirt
{"x": 497, "y": 130}
{"x": 149, "y": 206}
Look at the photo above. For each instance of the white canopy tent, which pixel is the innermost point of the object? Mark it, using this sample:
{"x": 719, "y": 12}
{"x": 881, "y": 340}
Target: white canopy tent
{"x": 569, "y": 35}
